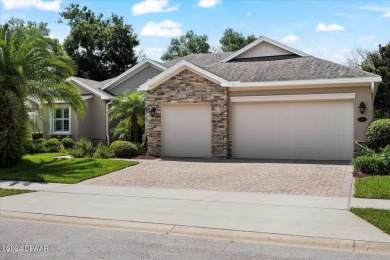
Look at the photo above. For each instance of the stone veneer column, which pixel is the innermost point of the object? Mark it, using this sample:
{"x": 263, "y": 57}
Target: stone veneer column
{"x": 188, "y": 87}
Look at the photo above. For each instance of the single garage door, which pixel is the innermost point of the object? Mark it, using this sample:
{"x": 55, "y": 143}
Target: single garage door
{"x": 312, "y": 130}
{"x": 186, "y": 130}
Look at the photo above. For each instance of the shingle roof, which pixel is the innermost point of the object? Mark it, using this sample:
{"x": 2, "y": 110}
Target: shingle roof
{"x": 201, "y": 60}
{"x": 95, "y": 84}
{"x": 299, "y": 68}
{"x": 281, "y": 68}
{"x": 271, "y": 69}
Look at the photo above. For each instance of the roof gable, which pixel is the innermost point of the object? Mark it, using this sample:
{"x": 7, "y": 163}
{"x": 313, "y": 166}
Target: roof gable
{"x": 264, "y": 47}
{"x": 130, "y": 72}
{"x": 91, "y": 86}
{"x": 180, "y": 66}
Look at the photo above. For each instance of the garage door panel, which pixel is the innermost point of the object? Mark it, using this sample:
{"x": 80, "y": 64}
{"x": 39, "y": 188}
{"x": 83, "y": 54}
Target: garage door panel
{"x": 186, "y": 130}
{"x": 319, "y": 130}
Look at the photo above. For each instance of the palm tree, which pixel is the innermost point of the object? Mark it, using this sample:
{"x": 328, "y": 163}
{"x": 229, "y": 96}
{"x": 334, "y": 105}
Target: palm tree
{"x": 35, "y": 67}
{"x": 129, "y": 110}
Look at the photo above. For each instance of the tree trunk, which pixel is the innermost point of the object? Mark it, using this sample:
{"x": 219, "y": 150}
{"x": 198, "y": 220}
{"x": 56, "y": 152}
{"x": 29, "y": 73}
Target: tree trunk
{"x": 135, "y": 130}
{"x": 13, "y": 131}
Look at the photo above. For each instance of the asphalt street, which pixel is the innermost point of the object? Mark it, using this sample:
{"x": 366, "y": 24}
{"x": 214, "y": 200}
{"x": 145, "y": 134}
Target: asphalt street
{"x": 80, "y": 242}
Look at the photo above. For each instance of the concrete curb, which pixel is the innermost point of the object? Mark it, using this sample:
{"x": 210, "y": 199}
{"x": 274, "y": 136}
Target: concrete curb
{"x": 231, "y": 235}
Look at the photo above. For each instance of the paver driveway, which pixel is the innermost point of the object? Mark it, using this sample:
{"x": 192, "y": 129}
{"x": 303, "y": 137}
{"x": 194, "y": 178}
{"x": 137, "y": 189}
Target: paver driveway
{"x": 331, "y": 179}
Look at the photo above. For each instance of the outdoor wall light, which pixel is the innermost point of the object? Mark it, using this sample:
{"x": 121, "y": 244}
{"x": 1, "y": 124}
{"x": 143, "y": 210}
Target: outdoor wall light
{"x": 362, "y": 107}
{"x": 152, "y": 111}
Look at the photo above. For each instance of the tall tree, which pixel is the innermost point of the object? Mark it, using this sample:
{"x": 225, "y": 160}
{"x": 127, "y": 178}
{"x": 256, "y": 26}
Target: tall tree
{"x": 377, "y": 62}
{"x": 29, "y": 68}
{"x": 190, "y": 43}
{"x": 129, "y": 111}
{"x": 102, "y": 48}
{"x": 14, "y": 23}
{"x": 381, "y": 66}
{"x": 233, "y": 41}
{"x": 360, "y": 59}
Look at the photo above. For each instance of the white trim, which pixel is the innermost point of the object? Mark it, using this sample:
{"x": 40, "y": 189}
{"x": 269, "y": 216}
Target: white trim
{"x": 304, "y": 82}
{"x": 180, "y": 66}
{"x": 86, "y": 97}
{"x": 133, "y": 70}
{"x": 98, "y": 93}
{"x": 264, "y": 39}
{"x": 332, "y": 96}
{"x": 52, "y": 118}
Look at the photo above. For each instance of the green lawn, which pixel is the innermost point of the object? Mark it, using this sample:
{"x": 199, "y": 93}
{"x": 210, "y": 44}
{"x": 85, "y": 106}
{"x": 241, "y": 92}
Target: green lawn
{"x": 373, "y": 187}
{"x": 10, "y": 192}
{"x": 378, "y": 217}
{"x": 43, "y": 168}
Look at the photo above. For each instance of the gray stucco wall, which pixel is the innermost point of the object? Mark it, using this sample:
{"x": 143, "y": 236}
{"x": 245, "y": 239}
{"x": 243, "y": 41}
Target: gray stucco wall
{"x": 91, "y": 126}
{"x": 135, "y": 81}
{"x": 98, "y": 118}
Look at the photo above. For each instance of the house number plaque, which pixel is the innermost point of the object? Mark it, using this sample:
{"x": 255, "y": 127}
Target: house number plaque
{"x": 362, "y": 119}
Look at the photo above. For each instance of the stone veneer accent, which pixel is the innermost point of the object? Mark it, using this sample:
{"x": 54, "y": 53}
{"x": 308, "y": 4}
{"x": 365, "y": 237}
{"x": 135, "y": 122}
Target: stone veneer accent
{"x": 188, "y": 87}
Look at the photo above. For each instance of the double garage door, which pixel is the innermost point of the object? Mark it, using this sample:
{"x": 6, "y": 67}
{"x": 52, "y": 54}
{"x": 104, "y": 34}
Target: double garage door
{"x": 308, "y": 130}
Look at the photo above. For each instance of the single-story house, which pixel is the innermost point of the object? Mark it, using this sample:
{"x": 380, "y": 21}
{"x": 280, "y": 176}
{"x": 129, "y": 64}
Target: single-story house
{"x": 266, "y": 100}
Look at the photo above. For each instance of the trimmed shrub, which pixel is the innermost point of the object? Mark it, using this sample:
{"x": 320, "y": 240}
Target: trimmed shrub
{"x": 124, "y": 149}
{"x": 52, "y": 145}
{"x": 39, "y": 145}
{"x": 67, "y": 143}
{"x": 103, "y": 151}
{"x": 36, "y": 135}
{"x": 83, "y": 148}
{"x": 29, "y": 145}
{"x": 77, "y": 153}
{"x": 378, "y": 134}
{"x": 371, "y": 164}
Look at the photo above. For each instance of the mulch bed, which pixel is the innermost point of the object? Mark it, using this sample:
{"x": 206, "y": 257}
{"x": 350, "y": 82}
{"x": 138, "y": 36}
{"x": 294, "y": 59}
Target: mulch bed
{"x": 358, "y": 174}
{"x": 145, "y": 157}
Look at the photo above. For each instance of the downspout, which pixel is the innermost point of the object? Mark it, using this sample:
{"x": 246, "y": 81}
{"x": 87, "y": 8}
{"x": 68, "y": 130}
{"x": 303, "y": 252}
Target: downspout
{"x": 107, "y": 124}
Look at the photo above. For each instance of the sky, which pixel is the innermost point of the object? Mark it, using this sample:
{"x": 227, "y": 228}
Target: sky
{"x": 325, "y": 29}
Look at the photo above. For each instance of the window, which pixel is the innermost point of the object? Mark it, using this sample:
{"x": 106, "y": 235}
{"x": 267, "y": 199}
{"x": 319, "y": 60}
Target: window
{"x": 61, "y": 120}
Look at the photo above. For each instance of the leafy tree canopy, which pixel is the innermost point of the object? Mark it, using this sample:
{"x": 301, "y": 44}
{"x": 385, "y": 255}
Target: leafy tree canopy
{"x": 190, "y": 43}
{"x": 129, "y": 111}
{"x": 380, "y": 61}
{"x": 30, "y": 67}
{"x": 233, "y": 41}
{"x": 14, "y": 23}
{"x": 377, "y": 62}
{"x": 102, "y": 48}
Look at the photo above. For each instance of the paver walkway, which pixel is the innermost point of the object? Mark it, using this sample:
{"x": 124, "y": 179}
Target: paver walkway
{"x": 330, "y": 179}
